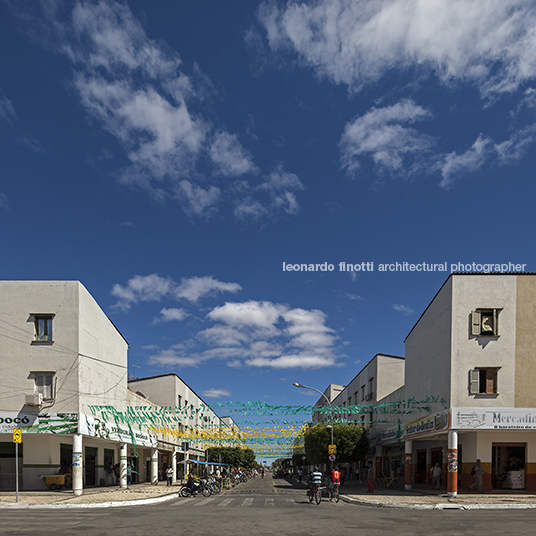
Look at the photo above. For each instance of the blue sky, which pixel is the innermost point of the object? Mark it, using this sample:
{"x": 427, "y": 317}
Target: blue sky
{"x": 173, "y": 155}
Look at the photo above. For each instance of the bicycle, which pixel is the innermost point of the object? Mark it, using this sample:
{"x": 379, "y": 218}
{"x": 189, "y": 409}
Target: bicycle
{"x": 390, "y": 482}
{"x": 315, "y": 494}
{"x": 333, "y": 492}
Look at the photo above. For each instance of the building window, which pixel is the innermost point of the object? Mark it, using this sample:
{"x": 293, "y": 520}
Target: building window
{"x": 483, "y": 381}
{"x": 43, "y": 327}
{"x": 44, "y": 384}
{"x": 485, "y": 323}
{"x": 362, "y": 392}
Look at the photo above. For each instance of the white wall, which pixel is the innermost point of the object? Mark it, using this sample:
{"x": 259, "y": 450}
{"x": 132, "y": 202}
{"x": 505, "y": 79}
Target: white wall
{"x": 472, "y": 292}
{"x": 428, "y": 350}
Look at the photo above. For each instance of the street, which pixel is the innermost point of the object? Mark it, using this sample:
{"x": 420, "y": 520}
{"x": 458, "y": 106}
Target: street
{"x": 261, "y": 507}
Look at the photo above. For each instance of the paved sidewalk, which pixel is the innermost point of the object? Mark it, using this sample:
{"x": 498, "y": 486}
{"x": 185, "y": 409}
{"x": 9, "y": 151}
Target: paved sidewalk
{"x": 424, "y": 498}
{"x": 352, "y": 492}
{"x": 144, "y": 493}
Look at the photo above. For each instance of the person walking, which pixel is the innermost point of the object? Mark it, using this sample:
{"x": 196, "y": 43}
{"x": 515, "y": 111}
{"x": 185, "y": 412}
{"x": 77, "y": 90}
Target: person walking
{"x": 435, "y": 473}
{"x": 478, "y": 472}
{"x": 169, "y": 475}
{"x": 370, "y": 478}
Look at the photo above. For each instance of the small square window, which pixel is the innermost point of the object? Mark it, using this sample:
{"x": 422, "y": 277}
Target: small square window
{"x": 43, "y": 327}
{"x": 483, "y": 381}
{"x": 44, "y": 384}
{"x": 485, "y": 323}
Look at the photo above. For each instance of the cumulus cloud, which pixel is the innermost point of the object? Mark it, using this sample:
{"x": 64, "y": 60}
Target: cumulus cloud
{"x": 406, "y": 310}
{"x": 469, "y": 161}
{"x": 277, "y": 193}
{"x": 382, "y": 134}
{"x": 154, "y": 288}
{"x": 262, "y": 334}
{"x": 139, "y": 92}
{"x": 216, "y": 393}
{"x": 489, "y": 43}
{"x": 167, "y": 315}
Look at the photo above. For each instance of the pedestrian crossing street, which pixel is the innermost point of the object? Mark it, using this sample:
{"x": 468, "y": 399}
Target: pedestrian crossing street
{"x": 243, "y": 502}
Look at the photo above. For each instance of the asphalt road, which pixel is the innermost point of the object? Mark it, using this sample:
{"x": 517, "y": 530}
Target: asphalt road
{"x": 262, "y": 507}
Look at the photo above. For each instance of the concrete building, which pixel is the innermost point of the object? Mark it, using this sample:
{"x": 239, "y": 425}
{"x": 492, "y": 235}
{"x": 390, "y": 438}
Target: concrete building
{"x": 64, "y": 374}
{"x": 467, "y": 390}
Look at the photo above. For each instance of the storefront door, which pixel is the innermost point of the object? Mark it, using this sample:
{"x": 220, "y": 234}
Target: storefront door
{"x": 508, "y": 465}
{"x": 90, "y": 464}
{"x": 420, "y": 477}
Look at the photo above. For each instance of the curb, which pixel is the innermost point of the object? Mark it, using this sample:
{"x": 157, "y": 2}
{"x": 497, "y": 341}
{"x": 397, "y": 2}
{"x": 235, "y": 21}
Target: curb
{"x": 440, "y": 506}
{"x": 108, "y": 504}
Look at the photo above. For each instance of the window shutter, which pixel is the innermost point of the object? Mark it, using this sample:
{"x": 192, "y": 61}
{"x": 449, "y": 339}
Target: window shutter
{"x": 475, "y": 323}
{"x": 474, "y": 380}
{"x": 491, "y": 381}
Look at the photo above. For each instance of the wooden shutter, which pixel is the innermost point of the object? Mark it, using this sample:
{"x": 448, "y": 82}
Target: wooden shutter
{"x": 491, "y": 381}
{"x": 475, "y": 323}
{"x": 474, "y": 381}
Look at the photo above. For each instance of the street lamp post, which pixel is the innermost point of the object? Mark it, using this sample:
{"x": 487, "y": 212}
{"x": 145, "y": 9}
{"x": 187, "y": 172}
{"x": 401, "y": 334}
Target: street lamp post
{"x": 296, "y": 384}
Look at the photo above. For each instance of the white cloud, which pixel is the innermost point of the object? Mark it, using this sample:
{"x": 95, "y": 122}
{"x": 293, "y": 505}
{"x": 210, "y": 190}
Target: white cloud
{"x": 490, "y": 43}
{"x": 471, "y": 160}
{"x": 4, "y": 202}
{"x": 253, "y": 314}
{"x": 7, "y": 111}
{"x": 138, "y": 91}
{"x": 197, "y": 201}
{"x": 167, "y": 315}
{"x": 173, "y": 357}
{"x": 216, "y": 393}
{"x": 230, "y": 157}
{"x": 406, "y": 310}
{"x": 264, "y": 334}
{"x": 277, "y": 193}
{"x": 154, "y": 288}
{"x": 381, "y": 134}
{"x": 194, "y": 288}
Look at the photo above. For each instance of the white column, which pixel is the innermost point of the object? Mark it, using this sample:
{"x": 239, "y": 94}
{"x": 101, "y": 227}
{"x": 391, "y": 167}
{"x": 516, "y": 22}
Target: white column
{"x": 123, "y": 466}
{"x": 408, "y": 464}
{"x": 452, "y": 464}
{"x": 78, "y": 466}
{"x": 154, "y": 467}
{"x": 174, "y": 464}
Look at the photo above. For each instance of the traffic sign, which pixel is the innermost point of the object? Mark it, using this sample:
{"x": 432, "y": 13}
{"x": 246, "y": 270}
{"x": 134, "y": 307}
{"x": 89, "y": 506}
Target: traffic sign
{"x": 332, "y": 457}
{"x": 332, "y": 449}
{"x": 17, "y": 435}
{"x": 304, "y": 457}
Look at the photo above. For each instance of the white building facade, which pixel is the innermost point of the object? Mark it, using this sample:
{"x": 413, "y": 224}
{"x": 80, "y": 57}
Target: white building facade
{"x": 467, "y": 388}
{"x": 64, "y": 373}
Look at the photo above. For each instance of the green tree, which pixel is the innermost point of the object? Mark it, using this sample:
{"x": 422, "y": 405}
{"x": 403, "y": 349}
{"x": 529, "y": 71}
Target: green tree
{"x": 351, "y": 441}
{"x": 235, "y": 456}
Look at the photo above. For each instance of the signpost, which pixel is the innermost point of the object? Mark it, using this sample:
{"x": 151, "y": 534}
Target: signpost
{"x": 17, "y": 438}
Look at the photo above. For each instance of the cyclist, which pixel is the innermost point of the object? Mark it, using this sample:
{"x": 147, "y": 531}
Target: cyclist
{"x": 316, "y": 480}
{"x": 335, "y": 479}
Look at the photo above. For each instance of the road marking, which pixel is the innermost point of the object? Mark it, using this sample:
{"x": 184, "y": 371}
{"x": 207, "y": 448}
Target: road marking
{"x": 268, "y": 502}
{"x": 291, "y": 501}
{"x": 226, "y": 502}
{"x": 204, "y": 502}
{"x": 247, "y": 502}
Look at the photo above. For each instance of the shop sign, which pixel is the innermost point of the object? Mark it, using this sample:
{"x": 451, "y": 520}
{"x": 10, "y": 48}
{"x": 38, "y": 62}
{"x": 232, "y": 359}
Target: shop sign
{"x": 494, "y": 418}
{"x": 94, "y": 427}
{"x": 430, "y": 424}
{"x": 44, "y": 423}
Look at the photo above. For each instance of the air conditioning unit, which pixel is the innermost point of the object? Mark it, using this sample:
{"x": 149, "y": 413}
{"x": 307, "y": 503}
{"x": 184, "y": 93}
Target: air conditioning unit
{"x": 35, "y": 399}
{"x": 369, "y": 396}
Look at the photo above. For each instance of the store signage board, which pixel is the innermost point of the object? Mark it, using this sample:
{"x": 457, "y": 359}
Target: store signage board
{"x": 493, "y": 419}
